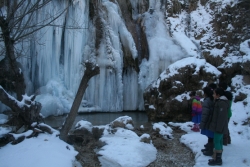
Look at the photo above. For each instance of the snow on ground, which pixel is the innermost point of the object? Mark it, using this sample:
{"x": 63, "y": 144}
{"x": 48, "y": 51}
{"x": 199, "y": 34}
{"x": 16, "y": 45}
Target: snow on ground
{"x": 43, "y": 151}
{"x": 237, "y": 153}
{"x": 124, "y": 148}
{"x": 234, "y": 154}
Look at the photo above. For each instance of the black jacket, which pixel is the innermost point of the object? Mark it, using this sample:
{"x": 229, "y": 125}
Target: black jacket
{"x": 219, "y": 123}
{"x": 207, "y": 113}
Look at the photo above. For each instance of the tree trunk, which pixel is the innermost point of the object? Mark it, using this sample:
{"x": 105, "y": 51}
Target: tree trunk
{"x": 12, "y": 69}
{"x": 28, "y": 112}
{"x": 89, "y": 72}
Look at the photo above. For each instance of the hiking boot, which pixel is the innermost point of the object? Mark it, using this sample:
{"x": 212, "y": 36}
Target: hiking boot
{"x": 195, "y": 129}
{"x": 225, "y": 139}
{"x": 229, "y": 139}
{"x": 209, "y": 150}
{"x": 205, "y": 147}
{"x": 217, "y": 160}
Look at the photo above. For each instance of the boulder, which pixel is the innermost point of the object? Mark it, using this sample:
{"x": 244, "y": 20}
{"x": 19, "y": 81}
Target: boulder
{"x": 123, "y": 122}
{"x": 145, "y": 138}
{"x": 167, "y": 98}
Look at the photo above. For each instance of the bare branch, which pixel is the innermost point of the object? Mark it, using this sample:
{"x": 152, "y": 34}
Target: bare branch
{"x": 20, "y": 22}
{"x": 27, "y": 17}
{"x": 20, "y": 5}
{"x": 37, "y": 28}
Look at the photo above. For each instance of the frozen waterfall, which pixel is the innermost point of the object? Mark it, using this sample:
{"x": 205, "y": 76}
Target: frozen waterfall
{"x": 55, "y": 68}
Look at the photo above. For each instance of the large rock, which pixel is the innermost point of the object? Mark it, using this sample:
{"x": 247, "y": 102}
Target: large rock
{"x": 167, "y": 98}
{"x": 123, "y": 122}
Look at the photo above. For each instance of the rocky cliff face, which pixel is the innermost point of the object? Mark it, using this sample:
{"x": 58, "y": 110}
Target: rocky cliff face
{"x": 231, "y": 28}
{"x": 220, "y": 43}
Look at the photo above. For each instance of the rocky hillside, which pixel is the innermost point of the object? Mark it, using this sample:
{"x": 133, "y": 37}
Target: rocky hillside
{"x": 220, "y": 30}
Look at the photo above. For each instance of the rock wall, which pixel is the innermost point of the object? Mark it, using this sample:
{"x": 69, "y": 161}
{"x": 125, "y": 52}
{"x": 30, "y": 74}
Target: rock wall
{"x": 230, "y": 27}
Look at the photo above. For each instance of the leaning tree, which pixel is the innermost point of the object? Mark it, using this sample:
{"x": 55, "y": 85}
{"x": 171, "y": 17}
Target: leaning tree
{"x": 91, "y": 69}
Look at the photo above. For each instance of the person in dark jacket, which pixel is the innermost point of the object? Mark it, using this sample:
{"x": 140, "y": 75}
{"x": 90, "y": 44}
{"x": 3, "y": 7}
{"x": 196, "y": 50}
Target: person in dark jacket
{"x": 206, "y": 117}
{"x": 229, "y": 95}
{"x": 219, "y": 124}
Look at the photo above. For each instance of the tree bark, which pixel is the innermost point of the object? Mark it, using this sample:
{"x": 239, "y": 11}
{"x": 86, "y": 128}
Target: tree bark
{"x": 28, "y": 112}
{"x": 12, "y": 67}
{"x": 90, "y": 71}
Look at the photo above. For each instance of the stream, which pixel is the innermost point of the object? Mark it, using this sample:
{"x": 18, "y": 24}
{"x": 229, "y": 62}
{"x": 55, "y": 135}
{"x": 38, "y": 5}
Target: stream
{"x": 99, "y": 118}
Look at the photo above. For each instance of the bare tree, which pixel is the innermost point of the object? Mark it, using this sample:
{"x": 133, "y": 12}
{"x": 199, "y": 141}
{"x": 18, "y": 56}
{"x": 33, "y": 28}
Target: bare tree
{"x": 18, "y": 21}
